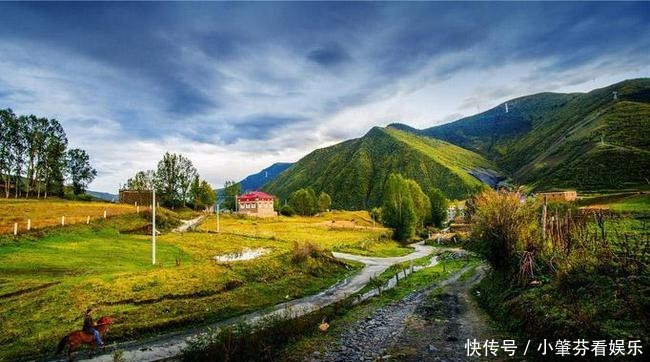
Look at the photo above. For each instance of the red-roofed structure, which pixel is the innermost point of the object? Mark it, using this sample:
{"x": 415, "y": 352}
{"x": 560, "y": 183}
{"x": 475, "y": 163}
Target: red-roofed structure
{"x": 256, "y": 203}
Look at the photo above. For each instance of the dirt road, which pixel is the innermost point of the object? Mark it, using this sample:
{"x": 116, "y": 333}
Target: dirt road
{"x": 423, "y": 326}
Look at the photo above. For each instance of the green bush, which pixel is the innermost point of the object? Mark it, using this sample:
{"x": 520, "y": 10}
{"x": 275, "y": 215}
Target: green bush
{"x": 287, "y": 210}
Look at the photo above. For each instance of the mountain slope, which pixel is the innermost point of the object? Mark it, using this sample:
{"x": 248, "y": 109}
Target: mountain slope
{"x": 256, "y": 181}
{"x": 548, "y": 140}
{"x": 354, "y": 172}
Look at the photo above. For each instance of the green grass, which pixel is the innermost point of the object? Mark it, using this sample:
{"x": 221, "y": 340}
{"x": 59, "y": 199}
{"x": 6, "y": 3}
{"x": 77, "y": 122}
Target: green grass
{"x": 47, "y": 279}
{"x": 360, "y": 236}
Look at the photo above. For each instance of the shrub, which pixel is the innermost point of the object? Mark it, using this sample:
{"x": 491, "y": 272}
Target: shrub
{"x": 287, "y": 210}
{"x": 300, "y": 252}
{"x": 504, "y": 225}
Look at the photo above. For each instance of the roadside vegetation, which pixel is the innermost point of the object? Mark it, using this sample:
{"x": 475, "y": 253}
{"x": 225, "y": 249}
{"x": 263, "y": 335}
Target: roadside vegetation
{"x": 293, "y": 339}
{"x": 584, "y": 273}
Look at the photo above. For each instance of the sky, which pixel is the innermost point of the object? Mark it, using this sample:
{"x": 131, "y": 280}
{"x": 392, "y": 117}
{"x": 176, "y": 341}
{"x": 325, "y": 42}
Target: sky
{"x": 238, "y": 86}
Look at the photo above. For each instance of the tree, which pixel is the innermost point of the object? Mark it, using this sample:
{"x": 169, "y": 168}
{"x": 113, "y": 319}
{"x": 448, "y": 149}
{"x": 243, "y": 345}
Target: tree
{"x": 174, "y": 177}
{"x": 398, "y": 211}
{"x": 421, "y": 203}
{"x": 231, "y": 190}
{"x": 143, "y": 180}
{"x": 324, "y": 202}
{"x": 7, "y": 123}
{"x": 439, "y": 206}
{"x": 303, "y": 201}
{"x": 79, "y": 170}
{"x": 53, "y": 163}
{"x": 202, "y": 195}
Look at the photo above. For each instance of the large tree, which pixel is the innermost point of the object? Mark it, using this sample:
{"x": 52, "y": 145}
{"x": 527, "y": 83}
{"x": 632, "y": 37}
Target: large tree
{"x": 439, "y": 206}
{"x": 398, "y": 211}
{"x": 421, "y": 203}
{"x": 174, "y": 177}
{"x": 304, "y": 201}
{"x": 79, "y": 170}
{"x": 324, "y": 202}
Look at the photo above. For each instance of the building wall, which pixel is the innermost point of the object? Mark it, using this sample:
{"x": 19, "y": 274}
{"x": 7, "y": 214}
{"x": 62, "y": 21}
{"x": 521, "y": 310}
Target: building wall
{"x": 260, "y": 208}
{"x": 559, "y": 196}
{"x": 143, "y": 197}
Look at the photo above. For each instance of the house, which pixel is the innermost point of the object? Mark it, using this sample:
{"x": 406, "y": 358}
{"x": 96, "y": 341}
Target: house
{"x": 256, "y": 203}
{"x": 564, "y": 196}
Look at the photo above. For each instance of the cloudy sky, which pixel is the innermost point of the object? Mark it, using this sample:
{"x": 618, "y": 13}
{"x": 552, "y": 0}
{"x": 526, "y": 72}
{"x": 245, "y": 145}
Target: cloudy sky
{"x": 239, "y": 86}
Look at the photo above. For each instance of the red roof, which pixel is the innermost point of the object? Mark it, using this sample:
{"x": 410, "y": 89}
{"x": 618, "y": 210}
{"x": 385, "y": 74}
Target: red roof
{"x": 255, "y": 195}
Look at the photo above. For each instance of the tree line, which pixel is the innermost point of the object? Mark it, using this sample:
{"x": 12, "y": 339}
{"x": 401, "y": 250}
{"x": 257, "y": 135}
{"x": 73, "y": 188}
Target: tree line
{"x": 407, "y": 209}
{"x": 177, "y": 182}
{"x": 35, "y": 160}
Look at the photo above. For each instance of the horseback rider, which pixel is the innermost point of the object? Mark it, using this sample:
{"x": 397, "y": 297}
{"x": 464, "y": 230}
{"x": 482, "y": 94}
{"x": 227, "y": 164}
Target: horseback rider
{"x": 91, "y": 328}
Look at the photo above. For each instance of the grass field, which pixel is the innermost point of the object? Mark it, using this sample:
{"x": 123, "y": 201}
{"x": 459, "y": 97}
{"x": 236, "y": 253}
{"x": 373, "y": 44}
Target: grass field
{"x": 46, "y": 213}
{"x": 350, "y": 231}
{"x": 48, "y": 279}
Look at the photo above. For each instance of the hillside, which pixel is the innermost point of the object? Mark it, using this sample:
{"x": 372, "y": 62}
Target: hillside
{"x": 589, "y": 141}
{"x": 353, "y": 172}
{"x": 256, "y": 181}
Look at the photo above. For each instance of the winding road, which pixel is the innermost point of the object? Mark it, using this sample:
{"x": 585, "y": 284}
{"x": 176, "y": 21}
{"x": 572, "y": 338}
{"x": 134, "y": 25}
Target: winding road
{"x": 166, "y": 346}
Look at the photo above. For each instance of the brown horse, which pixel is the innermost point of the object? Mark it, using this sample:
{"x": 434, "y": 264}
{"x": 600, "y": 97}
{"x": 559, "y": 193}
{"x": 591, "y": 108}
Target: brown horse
{"x": 76, "y": 339}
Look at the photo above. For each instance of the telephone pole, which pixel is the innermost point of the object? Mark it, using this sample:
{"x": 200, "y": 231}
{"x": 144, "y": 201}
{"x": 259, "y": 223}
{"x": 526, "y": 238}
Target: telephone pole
{"x": 153, "y": 228}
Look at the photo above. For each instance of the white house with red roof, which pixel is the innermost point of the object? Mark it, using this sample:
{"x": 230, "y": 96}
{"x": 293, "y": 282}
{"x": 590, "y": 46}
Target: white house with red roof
{"x": 256, "y": 203}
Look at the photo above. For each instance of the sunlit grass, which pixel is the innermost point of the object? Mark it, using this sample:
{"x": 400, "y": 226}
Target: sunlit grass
{"x": 46, "y": 213}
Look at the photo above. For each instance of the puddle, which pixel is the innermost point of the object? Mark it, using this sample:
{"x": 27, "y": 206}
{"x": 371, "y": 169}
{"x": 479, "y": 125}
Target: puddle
{"x": 246, "y": 254}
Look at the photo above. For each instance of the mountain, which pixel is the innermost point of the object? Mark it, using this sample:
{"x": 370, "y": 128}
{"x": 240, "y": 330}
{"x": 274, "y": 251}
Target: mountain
{"x": 590, "y": 141}
{"x": 256, "y": 181}
{"x": 103, "y": 195}
{"x": 354, "y": 172}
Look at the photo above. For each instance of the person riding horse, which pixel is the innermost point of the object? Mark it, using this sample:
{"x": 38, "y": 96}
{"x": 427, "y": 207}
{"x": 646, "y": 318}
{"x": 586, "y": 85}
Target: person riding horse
{"x": 91, "y": 328}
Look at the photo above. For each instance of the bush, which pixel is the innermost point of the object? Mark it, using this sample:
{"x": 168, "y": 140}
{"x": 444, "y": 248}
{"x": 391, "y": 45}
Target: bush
{"x": 300, "y": 252}
{"x": 287, "y": 210}
{"x": 503, "y": 226}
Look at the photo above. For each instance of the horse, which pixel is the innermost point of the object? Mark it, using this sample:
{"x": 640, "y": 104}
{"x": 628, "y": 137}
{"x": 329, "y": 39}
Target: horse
{"x": 76, "y": 339}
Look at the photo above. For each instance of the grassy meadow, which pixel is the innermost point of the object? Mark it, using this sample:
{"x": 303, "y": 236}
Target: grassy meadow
{"x": 343, "y": 231}
{"x": 47, "y": 213}
{"x": 48, "y": 278}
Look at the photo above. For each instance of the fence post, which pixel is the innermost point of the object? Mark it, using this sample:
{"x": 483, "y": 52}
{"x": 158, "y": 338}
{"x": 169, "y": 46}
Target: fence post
{"x": 104, "y": 214}
{"x": 62, "y": 220}
{"x": 87, "y": 220}
{"x": 29, "y": 224}
{"x": 137, "y": 209}
{"x": 15, "y": 228}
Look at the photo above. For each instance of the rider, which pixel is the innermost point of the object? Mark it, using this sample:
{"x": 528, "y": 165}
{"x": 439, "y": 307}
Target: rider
{"x": 90, "y": 327}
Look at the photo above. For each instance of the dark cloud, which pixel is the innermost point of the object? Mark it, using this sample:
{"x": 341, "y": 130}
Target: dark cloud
{"x": 329, "y": 55}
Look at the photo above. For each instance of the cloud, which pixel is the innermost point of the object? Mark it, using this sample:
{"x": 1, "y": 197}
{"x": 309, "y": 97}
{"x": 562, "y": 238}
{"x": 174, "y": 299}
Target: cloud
{"x": 238, "y": 86}
{"x": 329, "y": 55}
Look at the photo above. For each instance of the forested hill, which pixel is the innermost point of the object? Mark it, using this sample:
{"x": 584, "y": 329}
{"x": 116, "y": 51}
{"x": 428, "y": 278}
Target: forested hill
{"x": 354, "y": 172}
{"x": 590, "y": 141}
{"x": 256, "y": 181}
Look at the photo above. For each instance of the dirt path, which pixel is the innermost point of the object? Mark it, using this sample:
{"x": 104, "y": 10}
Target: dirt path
{"x": 420, "y": 327}
{"x": 169, "y": 345}
{"x": 188, "y": 224}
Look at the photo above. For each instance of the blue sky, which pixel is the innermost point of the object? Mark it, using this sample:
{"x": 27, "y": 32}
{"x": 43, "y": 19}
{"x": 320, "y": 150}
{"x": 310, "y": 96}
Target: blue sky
{"x": 238, "y": 86}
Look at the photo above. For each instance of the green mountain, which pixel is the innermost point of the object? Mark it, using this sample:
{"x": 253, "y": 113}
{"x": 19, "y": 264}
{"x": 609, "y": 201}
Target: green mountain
{"x": 354, "y": 172}
{"x": 589, "y": 141}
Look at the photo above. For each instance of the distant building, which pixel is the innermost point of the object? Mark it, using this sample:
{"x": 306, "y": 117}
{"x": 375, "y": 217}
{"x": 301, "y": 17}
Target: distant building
{"x": 141, "y": 197}
{"x": 565, "y": 196}
{"x": 256, "y": 203}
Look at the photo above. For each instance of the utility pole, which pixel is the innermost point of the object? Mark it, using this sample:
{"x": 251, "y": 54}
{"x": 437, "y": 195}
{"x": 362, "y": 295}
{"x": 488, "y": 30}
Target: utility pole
{"x": 153, "y": 228}
{"x": 218, "y": 221}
